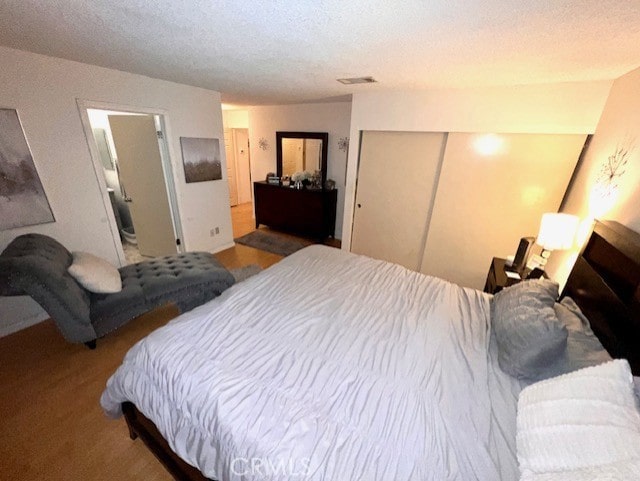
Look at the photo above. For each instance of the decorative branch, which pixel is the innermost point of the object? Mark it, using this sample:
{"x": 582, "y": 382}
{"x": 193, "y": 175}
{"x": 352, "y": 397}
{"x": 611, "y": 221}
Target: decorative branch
{"x": 614, "y": 168}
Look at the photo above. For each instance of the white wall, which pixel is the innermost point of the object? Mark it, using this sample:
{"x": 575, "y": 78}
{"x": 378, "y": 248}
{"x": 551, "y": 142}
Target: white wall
{"x": 235, "y": 119}
{"x": 333, "y": 118}
{"x": 45, "y": 90}
{"x": 486, "y": 201}
{"x": 619, "y": 127}
{"x": 550, "y": 108}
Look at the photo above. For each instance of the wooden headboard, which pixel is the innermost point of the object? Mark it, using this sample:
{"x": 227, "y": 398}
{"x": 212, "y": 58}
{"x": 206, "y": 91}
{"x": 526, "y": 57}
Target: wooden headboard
{"x": 605, "y": 283}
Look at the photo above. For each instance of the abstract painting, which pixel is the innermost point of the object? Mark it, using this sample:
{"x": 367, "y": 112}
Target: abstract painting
{"x": 201, "y": 159}
{"x": 22, "y": 198}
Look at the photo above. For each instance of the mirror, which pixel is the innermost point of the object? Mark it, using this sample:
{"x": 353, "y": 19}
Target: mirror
{"x": 298, "y": 151}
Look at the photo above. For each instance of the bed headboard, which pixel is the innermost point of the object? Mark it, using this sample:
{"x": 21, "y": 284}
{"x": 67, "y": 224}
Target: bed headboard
{"x": 605, "y": 283}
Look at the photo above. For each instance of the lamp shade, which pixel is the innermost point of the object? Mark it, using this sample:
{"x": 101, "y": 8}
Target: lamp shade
{"x": 557, "y": 231}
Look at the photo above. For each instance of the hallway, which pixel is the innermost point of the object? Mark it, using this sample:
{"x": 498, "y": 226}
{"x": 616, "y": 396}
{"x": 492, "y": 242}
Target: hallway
{"x": 242, "y": 219}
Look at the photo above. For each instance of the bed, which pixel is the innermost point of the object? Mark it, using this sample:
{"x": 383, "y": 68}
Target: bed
{"x": 334, "y": 366}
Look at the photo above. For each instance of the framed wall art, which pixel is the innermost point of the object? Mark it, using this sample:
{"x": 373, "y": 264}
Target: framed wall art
{"x": 23, "y": 201}
{"x": 201, "y": 159}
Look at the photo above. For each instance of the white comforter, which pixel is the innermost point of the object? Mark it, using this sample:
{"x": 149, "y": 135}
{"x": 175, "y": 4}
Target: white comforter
{"x": 329, "y": 366}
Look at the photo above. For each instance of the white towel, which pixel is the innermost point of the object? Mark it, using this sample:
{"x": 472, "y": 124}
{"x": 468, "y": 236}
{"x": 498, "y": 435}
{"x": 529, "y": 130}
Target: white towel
{"x": 582, "y": 425}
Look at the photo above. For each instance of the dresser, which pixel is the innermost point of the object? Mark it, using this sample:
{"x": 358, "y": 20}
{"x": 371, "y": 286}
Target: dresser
{"x": 308, "y": 212}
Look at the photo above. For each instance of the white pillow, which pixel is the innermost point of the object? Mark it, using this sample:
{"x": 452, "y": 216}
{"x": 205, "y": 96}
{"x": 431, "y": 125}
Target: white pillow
{"x": 95, "y": 274}
{"x": 582, "y": 425}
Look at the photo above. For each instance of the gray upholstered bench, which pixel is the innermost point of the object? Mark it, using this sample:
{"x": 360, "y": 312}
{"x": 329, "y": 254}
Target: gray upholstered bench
{"x": 36, "y": 265}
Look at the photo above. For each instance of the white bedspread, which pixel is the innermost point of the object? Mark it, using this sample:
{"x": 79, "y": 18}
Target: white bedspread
{"x": 329, "y": 366}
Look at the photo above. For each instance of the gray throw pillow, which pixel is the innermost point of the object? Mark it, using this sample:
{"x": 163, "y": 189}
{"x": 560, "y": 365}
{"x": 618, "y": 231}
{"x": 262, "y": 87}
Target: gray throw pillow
{"x": 529, "y": 335}
{"x": 583, "y": 347}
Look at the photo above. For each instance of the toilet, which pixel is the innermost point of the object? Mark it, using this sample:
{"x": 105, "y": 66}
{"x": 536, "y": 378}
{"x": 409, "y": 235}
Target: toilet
{"x": 129, "y": 235}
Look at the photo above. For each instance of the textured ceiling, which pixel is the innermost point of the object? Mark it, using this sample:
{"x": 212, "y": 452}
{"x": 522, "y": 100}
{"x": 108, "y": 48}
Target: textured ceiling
{"x": 274, "y": 51}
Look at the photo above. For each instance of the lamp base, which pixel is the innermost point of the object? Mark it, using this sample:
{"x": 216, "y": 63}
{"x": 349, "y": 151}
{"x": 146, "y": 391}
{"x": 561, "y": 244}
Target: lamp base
{"x": 545, "y": 257}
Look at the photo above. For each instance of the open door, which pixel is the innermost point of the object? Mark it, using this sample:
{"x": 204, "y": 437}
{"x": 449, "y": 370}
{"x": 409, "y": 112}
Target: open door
{"x": 142, "y": 177}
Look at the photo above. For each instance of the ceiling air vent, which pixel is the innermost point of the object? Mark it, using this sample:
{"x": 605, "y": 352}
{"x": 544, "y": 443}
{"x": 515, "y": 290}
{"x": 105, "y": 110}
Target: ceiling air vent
{"x": 357, "y": 80}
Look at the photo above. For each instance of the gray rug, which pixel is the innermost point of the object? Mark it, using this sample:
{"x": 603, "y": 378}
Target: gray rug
{"x": 272, "y": 242}
{"x": 242, "y": 273}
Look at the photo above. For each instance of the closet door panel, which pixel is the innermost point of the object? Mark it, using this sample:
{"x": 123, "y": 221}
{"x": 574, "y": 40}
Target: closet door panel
{"x": 493, "y": 190}
{"x": 396, "y": 176}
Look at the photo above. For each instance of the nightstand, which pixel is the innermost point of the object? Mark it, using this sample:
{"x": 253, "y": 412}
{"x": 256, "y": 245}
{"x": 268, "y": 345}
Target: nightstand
{"x": 497, "y": 278}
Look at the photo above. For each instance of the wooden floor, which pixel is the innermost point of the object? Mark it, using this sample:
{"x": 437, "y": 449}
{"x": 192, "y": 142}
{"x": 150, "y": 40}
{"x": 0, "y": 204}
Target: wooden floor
{"x": 51, "y": 423}
{"x": 243, "y": 222}
{"x": 52, "y": 426}
{"x": 242, "y": 219}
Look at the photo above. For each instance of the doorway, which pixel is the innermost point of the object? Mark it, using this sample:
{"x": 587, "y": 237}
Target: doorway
{"x": 236, "y": 144}
{"x": 131, "y": 157}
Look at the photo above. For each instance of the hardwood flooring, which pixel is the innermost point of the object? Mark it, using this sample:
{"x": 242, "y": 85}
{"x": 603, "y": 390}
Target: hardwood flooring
{"x": 242, "y": 219}
{"x": 52, "y": 426}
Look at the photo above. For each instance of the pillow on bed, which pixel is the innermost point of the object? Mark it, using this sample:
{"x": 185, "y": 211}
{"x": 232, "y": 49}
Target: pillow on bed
{"x": 530, "y": 337}
{"x": 583, "y": 425}
{"x": 95, "y": 274}
{"x": 583, "y": 347}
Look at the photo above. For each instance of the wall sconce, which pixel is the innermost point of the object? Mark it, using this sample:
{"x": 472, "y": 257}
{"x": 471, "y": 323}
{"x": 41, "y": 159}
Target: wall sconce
{"x": 263, "y": 144}
{"x": 343, "y": 143}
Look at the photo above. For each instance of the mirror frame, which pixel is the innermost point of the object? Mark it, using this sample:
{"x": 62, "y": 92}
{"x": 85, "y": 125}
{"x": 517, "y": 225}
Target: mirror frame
{"x": 324, "y": 136}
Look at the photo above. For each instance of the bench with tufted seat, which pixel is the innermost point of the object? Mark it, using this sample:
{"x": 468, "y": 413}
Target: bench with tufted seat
{"x": 36, "y": 265}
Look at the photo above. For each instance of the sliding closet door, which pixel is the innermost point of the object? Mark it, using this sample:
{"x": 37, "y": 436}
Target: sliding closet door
{"x": 493, "y": 189}
{"x": 396, "y": 176}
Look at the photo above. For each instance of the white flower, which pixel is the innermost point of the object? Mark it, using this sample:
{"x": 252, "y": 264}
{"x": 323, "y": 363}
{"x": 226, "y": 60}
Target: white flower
{"x": 300, "y": 176}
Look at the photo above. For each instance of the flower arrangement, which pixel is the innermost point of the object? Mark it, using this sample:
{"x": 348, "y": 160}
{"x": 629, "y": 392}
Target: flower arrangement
{"x": 302, "y": 176}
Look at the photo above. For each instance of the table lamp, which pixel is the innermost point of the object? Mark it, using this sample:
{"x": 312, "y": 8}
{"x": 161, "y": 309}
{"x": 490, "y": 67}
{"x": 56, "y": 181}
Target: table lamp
{"x": 557, "y": 232}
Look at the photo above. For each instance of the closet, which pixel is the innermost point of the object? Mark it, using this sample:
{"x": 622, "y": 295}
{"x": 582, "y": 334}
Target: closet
{"x": 445, "y": 203}
{"x": 396, "y": 182}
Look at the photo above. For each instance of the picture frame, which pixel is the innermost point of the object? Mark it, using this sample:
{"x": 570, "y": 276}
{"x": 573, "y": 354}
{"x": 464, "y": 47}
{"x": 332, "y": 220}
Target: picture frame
{"x": 201, "y": 159}
{"x": 23, "y": 201}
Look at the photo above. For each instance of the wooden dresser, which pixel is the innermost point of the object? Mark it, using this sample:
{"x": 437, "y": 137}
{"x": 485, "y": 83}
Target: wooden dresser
{"x": 311, "y": 213}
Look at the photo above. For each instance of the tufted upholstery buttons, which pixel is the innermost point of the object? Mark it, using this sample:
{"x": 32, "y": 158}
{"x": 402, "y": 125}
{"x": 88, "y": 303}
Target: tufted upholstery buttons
{"x": 187, "y": 280}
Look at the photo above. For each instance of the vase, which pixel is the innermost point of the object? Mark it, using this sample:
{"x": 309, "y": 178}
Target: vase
{"x": 298, "y": 184}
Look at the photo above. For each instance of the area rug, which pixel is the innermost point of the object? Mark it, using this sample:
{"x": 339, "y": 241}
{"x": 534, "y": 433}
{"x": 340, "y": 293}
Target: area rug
{"x": 274, "y": 242}
{"x": 242, "y": 273}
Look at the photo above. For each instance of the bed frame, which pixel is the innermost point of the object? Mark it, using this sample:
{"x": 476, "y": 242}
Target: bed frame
{"x": 605, "y": 283}
{"x": 141, "y": 426}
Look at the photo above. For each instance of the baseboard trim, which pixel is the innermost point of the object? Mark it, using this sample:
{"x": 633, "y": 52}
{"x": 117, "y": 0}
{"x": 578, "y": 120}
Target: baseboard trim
{"x": 20, "y": 325}
{"x": 224, "y": 247}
